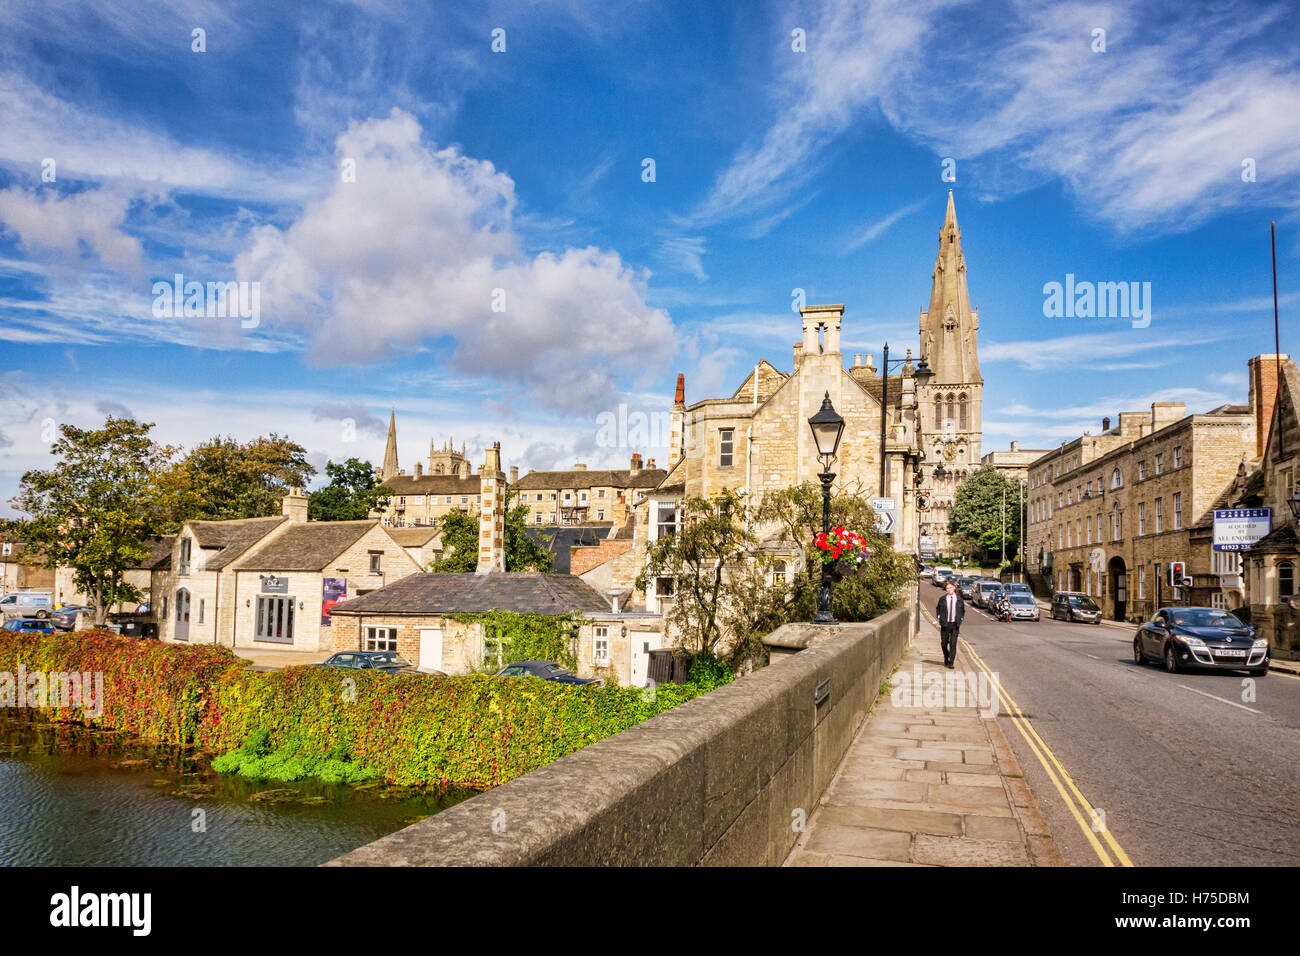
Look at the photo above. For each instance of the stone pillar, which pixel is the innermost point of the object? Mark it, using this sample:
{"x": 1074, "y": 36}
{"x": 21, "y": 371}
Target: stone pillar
{"x": 492, "y": 515}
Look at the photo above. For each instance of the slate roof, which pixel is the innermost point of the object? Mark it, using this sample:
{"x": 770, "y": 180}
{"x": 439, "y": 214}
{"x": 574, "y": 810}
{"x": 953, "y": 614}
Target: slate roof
{"x": 433, "y": 485}
{"x": 306, "y": 547}
{"x": 601, "y": 478}
{"x": 1281, "y": 540}
{"x": 874, "y": 387}
{"x": 559, "y": 539}
{"x": 160, "y": 553}
{"x": 232, "y": 538}
{"x": 469, "y": 593}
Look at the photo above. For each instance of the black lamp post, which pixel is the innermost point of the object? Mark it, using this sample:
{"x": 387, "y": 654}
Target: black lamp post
{"x": 827, "y": 428}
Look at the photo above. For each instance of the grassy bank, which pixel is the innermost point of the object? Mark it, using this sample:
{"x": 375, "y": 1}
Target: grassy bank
{"x": 314, "y": 721}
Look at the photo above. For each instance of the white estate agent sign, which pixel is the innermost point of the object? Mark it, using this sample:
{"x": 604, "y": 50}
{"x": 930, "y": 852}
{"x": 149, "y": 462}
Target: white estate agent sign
{"x": 1236, "y": 529}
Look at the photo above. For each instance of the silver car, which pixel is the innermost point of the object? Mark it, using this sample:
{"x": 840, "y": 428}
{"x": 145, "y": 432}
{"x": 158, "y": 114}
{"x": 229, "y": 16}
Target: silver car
{"x": 1023, "y": 607}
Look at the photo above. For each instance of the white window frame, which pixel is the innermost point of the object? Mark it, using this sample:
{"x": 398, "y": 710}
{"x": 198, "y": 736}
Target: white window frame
{"x": 600, "y": 645}
{"x": 726, "y": 447}
{"x": 1178, "y": 510}
{"x": 1142, "y": 518}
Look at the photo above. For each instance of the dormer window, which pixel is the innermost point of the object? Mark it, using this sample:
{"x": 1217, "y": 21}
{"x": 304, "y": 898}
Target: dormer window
{"x": 183, "y": 566}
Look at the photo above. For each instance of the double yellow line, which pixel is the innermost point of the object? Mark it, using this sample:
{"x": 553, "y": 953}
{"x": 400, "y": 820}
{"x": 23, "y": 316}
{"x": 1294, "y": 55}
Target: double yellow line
{"x": 1083, "y": 812}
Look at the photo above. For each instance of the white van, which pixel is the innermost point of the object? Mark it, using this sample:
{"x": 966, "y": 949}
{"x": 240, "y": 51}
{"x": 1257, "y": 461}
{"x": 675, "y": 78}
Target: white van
{"x": 27, "y": 604}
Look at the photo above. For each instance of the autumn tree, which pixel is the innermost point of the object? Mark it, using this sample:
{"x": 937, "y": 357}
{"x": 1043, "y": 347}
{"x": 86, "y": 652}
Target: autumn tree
{"x": 222, "y": 479}
{"x": 93, "y": 511}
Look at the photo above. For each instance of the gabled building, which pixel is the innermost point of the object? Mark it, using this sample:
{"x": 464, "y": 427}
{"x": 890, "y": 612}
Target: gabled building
{"x": 271, "y": 582}
{"x": 583, "y": 496}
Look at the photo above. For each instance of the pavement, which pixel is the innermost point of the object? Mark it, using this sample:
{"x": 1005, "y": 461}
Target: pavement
{"x": 929, "y": 785}
{"x": 277, "y": 660}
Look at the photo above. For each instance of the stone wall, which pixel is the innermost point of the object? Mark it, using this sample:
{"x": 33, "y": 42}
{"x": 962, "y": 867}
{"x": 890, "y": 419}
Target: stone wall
{"x": 720, "y": 780}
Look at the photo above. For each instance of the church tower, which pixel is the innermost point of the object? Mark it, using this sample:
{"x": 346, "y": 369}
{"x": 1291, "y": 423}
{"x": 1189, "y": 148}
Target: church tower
{"x": 950, "y": 404}
{"x": 390, "y": 450}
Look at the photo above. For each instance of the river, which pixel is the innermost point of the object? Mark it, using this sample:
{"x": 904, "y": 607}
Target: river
{"x": 72, "y": 796}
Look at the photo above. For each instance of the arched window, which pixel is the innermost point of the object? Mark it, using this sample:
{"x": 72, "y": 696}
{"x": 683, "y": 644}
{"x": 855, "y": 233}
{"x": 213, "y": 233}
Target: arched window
{"x": 1117, "y": 479}
{"x": 949, "y": 416}
{"x": 1285, "y": 580}
{"x": 964, "y": 419}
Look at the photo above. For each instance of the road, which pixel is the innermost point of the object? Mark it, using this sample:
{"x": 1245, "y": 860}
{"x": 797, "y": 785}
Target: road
{"x": 1183, "y": 769}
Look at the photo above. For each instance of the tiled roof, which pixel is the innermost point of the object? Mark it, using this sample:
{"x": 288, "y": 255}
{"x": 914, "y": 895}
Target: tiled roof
{"x": 552, "y": 480}
{"x": 433, "y": 485}
{"x": 415, "y": 537}
{"x": 874, "y": 388}
{"x": 1281, "y": 540}
{"x": 469, "y": 593}
{"x": 233, "y": 537}
{"x": 160, "y": 553}
{"x": 306, "y": 547}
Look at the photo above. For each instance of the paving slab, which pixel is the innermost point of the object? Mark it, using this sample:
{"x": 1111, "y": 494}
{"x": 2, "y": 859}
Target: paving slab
{"x": 926, "y": 784}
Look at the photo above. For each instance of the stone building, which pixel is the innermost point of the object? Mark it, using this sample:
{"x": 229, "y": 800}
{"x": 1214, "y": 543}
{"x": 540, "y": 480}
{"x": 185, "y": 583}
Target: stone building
{"x": 1014, "y": 462}
{"x": 17, "y": 574}
{"x": 757, "y": 438}
{"x": 1108, "y": 513}
{"x": 582, "y": 496}
{"x": 271, "y": 582}
{"x": 1269, "y": 567}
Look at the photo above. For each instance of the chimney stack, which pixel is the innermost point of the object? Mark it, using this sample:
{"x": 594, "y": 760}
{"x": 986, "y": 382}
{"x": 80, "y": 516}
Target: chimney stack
{"x": 636, "y": 462}
{"x": 294, "y": 506}
{"x": 1015, "y": 446}
{"x": 579, "y": 467}
{"x": 1263, "y": 395}
{"x": 677, "y": 423}
{"x": 514, "y": 474}
{"x": 650, "y": 465}
{"x": 1105, "y": 423}
{"x": 492, "y": 514}
{"x": 419, "y": 469}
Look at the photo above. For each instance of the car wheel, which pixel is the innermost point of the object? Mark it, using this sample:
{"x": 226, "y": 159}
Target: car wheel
{"x": 1257, "y": 671}
{"x": 1138, "y": 657}
{"x": 1098, "y": 621}
{"x": 42, "y": 614}
{"x": 1171, "y": 660}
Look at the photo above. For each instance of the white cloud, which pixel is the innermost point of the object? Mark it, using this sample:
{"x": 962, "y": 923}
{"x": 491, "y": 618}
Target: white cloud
{"x": 64, "y": 227}
{"x": 1091, "y": 349}
{"x": 876, "y": 229}
{"x": 421, "y": 247}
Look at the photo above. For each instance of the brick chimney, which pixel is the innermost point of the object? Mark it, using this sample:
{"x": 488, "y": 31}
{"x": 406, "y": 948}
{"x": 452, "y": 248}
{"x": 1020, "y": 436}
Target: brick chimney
{"x": 294, "y": 506}
{"x": 1015, "y": 446}
{"x": 492, "y": 514}
{"x": 1263, "y": 395}
{"x": 636, "y": 462}
{"x": 1105, "y": 424}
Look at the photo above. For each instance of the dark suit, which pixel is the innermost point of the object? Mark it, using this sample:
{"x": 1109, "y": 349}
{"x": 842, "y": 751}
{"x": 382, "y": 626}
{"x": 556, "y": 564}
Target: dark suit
{"x": 949, "y": 626}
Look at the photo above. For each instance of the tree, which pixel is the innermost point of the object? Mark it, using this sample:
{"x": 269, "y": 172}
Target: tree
{"x": 95, "y": 508}
{"x": 977, "y": 511}
{"x": 702, "y": 558}
{"x": 460, "y": 541}
{"x": 352, "y": 493}
{"x": 222, "y": 479}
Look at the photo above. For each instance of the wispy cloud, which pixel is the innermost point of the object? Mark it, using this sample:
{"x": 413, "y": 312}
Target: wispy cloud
{"x": 1093, "y": 349}
{"x": 876, "y": 229}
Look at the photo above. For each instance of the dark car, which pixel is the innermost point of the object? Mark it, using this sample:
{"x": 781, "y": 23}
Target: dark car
{"x": 1072, "y": 606}
{"x": 65, "y": 616}
{"x": 985, "y": 593}
{"x": 1209, "y": 637}
{"x": 547, "y": 670}
{"x": 390, "y": 662}
{"x": 965, "y": 586}
{"x": 30, "y": 625}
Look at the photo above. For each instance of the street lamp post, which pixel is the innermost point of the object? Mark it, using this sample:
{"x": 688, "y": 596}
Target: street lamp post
{"x": 827, "y": 428}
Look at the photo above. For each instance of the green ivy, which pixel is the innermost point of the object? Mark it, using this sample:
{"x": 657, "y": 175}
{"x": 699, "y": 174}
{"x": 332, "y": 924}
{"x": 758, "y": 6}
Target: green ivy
{"x": 528, "y": 637}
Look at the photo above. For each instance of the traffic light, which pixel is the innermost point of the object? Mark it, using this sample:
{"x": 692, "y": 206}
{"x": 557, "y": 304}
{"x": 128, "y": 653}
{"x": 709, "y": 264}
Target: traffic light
{"x": 1178, "y": 576}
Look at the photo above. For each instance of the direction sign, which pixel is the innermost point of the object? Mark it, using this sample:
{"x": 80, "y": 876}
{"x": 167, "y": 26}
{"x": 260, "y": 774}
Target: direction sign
{"x": 886, "y": 514}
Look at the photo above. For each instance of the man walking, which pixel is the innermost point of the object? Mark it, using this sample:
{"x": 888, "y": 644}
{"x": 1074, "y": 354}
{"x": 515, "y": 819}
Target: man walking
{"x": 950, "y": 611}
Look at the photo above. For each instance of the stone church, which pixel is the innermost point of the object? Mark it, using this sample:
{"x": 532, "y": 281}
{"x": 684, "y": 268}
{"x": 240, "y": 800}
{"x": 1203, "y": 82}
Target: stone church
{"x": 757, "y": 439}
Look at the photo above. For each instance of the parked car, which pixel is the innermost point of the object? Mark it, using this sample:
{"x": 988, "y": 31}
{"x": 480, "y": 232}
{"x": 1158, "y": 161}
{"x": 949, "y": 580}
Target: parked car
{"x": 390, "y": 662}
{"x": 964, "y": 587}
{"x": 1023, "y": 606}
{"x": 547, "y": 670}
{"x": 27, "y": 604}
{"x": 941, "y": 576}
{"x": 1015, "y": 587}
{"x": 1072, "y": 606}
{"x": 65, "y": 615}
{"x": 985, "y": 593}
{"x": 30, "y": 625}
{"x": 1193, "y": 637}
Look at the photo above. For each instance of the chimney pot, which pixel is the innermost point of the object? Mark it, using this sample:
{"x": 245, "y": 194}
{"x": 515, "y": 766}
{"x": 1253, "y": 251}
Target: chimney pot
{"x": 1105, "y": 423}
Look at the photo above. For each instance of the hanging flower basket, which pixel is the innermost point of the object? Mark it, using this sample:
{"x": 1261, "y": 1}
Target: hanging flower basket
{"x": 845, "y": 551}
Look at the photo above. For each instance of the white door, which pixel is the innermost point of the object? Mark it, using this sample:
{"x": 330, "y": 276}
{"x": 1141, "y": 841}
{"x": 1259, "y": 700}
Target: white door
{"x": 430, "y": 648}
{"x": 182, "y": 615}
{"x": 642, "y": 645}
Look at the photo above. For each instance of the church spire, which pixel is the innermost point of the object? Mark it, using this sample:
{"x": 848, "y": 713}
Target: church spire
{"x": 390, "y": 450}
{"x": 949, "y": 328}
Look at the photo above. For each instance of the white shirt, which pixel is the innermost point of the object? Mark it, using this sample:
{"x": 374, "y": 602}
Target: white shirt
{"x": 952, "y": 608}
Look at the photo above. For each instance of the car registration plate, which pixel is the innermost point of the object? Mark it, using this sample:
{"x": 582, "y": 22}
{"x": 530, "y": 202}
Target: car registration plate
{"x": 1230, "y": 652}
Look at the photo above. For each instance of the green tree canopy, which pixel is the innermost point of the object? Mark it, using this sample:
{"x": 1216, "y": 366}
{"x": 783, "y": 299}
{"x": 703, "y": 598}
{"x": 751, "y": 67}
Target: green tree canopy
{"x": 352, "y": 493}
{"x": 222, "y": 479}
{"x": 460, "y": 541}
{"x": 94, "y": 510}
{"x": 978, "y": 514}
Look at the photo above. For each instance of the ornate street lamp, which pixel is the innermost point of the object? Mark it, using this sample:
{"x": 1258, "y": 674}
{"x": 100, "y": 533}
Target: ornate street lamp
{"x": 1294, "y": 504}
{"x": 827, "y": 428}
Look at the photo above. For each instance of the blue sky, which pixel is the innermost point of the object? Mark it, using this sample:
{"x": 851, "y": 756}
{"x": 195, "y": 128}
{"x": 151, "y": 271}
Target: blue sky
{"x": 522, "y": 171}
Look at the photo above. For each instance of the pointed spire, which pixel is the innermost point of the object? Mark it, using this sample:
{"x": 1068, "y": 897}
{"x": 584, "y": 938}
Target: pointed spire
{"x": 390, "y": 450}
{"x": 949, "y": 327}
{"x": 950, "y": 217}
